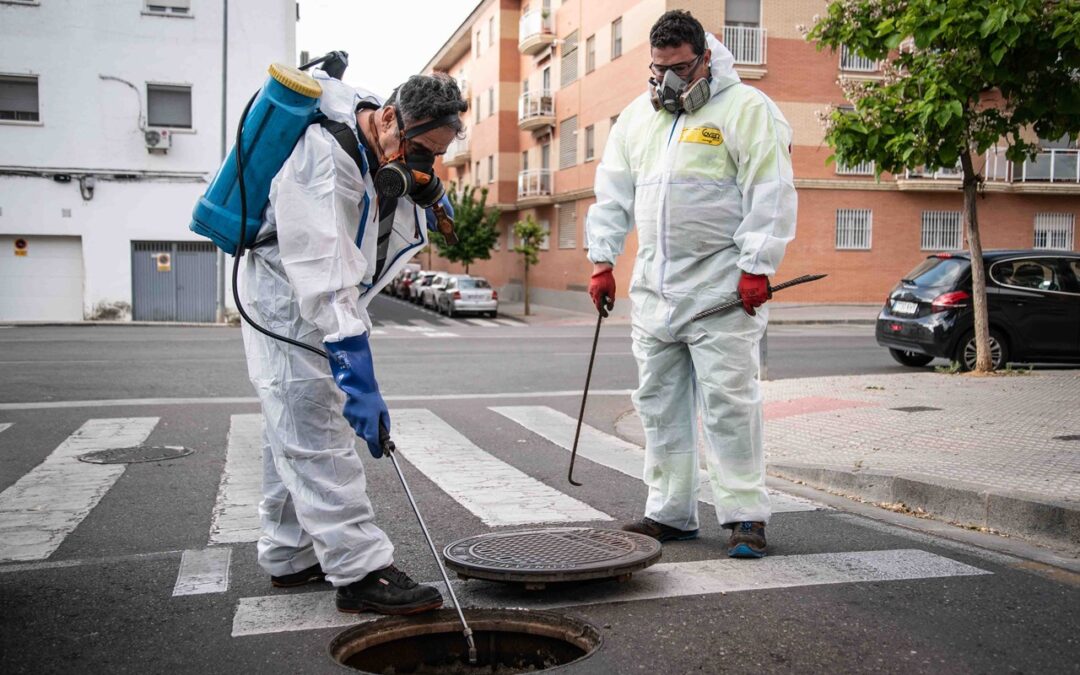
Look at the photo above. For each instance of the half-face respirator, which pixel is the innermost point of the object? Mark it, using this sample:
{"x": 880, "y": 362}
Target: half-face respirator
{"x": 675, "y": 95}
{"x": 411, "y": 172}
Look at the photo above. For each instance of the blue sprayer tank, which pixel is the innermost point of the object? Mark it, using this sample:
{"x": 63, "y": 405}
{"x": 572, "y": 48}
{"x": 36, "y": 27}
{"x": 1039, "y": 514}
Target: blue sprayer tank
{"x": 287, "y": 103}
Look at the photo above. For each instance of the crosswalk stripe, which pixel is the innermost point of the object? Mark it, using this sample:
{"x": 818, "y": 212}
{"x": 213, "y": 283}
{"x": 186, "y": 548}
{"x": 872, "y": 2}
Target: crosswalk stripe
{"x": 615, "y": 453}
{"x": 236, "y": 510}
{"x": 508, "y": 322}
{"x": 309, "y": 611}
{"x": 6, "y": 425}
{"x": 440, "y": 334}
{"x": 491, "y": 489}
{"x": 46, "y": 505}
{"x": 427, "y": 323}
{"x": 485, "y": 323}
{"x": 203, "y": 571}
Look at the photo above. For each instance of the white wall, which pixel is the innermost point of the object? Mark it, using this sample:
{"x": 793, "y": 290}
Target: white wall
{"x": 91, "y": 126}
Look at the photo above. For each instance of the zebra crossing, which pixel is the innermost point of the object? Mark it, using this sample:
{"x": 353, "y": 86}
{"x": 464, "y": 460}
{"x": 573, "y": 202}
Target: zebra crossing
{"x": 439, "y": 327}
{"x": 47, "y": 504}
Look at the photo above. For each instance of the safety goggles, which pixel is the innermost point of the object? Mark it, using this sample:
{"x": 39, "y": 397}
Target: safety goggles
{"x": 680, "y": 69}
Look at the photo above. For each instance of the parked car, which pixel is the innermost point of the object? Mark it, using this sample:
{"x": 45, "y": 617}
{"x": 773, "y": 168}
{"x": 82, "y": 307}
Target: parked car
{"x": 418, "y": 283}
{"x": 468, "y": 294}
{"x": 430, "y": 295}
{"x": 1033, "y": 302}
{"x": 393, "y": 288}
{"x": 401, "y": 290}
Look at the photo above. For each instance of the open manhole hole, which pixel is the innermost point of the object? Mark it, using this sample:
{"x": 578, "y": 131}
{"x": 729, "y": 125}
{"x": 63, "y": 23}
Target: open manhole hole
{"x": 915, "y": 408}
{"x": 507, "y": 641}
{"x": 537, "y": 558}
{"x": 134, "y": 455}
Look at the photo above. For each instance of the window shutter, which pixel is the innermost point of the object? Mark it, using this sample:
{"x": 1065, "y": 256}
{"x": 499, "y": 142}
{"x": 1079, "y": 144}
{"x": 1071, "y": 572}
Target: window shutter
{"x": 19, "y": 98}
{"x": 168, "y": 106}
{"x": 568, "y": 142}
{"x": 568, "y": 225}
{"x": 568, "y": 63}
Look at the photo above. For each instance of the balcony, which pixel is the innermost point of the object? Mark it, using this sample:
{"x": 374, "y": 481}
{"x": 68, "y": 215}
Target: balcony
{"x": 1051, "y": 171}
{"x": 536, "y": 30}
{"x": 457, "y": 153}
{"x": 852, "y": 62}
{"x": 536, "y": 110}
{"x": 534, "y": 187}
{"x": 746, "y": 43}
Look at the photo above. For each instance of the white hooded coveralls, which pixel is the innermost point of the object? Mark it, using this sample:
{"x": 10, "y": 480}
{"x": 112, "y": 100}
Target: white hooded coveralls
{"x": 712, "y": 195}
{"x": 314, "y": 285}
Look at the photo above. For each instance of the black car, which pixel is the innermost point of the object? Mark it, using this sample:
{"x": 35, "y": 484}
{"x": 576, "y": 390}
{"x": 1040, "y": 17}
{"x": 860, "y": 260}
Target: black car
{"x": 1033, "y": 299}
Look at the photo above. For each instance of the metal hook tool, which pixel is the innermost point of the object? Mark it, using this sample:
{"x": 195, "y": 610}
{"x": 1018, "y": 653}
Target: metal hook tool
{"x": 584, "y": 397}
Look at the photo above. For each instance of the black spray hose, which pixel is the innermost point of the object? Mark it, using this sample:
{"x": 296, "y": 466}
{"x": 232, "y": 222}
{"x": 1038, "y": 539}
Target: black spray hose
{"x": 243, "y": 233}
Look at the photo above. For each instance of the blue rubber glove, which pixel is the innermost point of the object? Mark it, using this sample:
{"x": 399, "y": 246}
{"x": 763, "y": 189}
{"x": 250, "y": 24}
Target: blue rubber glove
{"x": 432, "y": 222}
{"x": 354, "y": 372}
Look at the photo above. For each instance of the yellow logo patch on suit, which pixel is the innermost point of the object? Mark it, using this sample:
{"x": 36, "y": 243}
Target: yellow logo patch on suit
{"x": 706, "y": 135}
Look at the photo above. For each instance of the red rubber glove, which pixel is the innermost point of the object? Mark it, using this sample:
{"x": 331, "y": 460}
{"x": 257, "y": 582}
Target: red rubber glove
{"x": 602, "y": 291}
{"x": 753, "y": 291}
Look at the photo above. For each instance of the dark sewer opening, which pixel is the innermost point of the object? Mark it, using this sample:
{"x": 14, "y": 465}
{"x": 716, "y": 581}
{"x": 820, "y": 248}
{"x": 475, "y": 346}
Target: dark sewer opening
{"x": 507, "y": 641}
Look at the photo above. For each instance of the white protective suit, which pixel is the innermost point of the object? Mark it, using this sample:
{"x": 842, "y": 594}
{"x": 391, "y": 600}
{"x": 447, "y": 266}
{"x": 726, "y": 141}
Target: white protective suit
{"x": 312, "y": 285}
{"x": 712, "y": 196}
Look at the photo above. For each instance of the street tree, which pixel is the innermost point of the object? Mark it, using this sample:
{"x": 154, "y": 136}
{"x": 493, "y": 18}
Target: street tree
{"x": 960, "y": 77}
{"x": 530, "y": 235}
{"x": 475, "y": 225}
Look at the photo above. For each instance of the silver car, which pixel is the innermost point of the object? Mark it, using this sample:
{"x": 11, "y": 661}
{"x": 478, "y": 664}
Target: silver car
{"x": 418, "y": 284}
{"x": 464, "y": 294}
{"x": 432, "y": 291}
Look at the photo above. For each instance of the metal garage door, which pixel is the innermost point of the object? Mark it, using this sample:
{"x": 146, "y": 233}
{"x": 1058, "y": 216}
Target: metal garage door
{"x": 173, "y": 281}
{"x": 41, "y": 279}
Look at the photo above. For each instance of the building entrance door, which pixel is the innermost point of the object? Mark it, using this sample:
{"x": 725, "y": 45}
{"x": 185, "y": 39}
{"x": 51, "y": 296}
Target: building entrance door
{"x": 173, "y": 281}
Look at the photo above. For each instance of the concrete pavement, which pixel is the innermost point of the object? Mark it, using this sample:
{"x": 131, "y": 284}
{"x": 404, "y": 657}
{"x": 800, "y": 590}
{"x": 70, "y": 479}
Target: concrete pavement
{"x": 780, "y": 313}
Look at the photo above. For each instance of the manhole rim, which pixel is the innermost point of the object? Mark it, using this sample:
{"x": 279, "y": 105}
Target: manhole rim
{"x": 445, "y": 620}
{"x": 93, "y": 456}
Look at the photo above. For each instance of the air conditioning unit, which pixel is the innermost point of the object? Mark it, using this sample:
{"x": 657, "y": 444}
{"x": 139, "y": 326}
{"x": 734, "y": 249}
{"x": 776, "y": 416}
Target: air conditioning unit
{"x": 158, "y": 140}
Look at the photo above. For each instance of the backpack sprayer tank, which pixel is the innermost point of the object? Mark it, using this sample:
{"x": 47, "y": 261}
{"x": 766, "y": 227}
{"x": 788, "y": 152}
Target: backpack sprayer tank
{"x": 277, "y": 117}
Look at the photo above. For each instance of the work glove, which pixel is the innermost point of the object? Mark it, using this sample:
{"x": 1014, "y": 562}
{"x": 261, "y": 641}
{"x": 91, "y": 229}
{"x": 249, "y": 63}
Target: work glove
{"x": 354, "y": 372}
{"x": 753, "y": 291}
{"x": 602, "y": 291}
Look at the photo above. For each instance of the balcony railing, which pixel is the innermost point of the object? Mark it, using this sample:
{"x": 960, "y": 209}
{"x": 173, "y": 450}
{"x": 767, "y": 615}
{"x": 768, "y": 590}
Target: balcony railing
{"x": 862, "y": 169}
{"x": 534, "y": 183}
{"x": 536, "y": 109}
{"x": 1049, "y": 166}
{"x": 746, "y": 43}
{"x": 536, "y": 30}
{"x": 457, "y": 152}
{"x": 851, "y": 61}
{"x": 946, "y": 174}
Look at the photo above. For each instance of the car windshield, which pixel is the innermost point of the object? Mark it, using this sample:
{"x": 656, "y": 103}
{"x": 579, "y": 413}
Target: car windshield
{"x": 936, "y": 271}
{"x": 473, "y": 283}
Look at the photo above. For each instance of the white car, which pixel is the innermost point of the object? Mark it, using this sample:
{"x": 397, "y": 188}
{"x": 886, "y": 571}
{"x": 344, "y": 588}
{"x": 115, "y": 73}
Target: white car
{"x": 464, "y": 294}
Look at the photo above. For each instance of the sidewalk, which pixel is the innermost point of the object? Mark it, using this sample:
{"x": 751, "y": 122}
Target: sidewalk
{"x": 780, "y": 313}
{"x": 998, "y": 454}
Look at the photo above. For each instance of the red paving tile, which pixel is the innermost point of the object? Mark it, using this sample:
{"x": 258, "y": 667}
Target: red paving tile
{"x": 811, "y": 404}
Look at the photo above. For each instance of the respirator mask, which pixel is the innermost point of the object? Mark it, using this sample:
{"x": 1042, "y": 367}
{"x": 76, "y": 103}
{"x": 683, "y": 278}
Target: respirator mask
{"x": 411, "y": 171}
{"x": 673, "y": 94}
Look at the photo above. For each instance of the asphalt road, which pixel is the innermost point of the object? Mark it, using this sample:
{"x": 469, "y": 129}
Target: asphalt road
{"x": 839, "y": 592}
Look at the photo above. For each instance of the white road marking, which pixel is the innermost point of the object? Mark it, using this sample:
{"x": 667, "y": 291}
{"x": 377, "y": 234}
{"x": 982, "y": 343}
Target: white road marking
{"x": 6, "y": 425}
{"x": 48, "y": 503}
{"x": 377, "y": 331}
{"x": 491, "y": 489}
{"x": 415, "y": 329}
{"x": 441, "y": 334}
{"x": 508, "y": 322}
{"x": 205, "y": 571}
{"x": 427, "y": 323}
{"x": 309, "y": 611}
{"x": 615, "y": 453}
{"x": 236, "y": 511}
{"x": 484, "y": 323}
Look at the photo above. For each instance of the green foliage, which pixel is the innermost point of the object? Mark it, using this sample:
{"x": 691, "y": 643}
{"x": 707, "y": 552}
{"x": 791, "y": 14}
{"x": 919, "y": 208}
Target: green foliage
{"x": 476, "y": 227}
{"x": 529, "y": 235}
{"x": 960, "y": 76}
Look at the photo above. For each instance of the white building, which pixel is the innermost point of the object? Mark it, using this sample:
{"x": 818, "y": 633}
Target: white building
{"x": 110, "y": 129}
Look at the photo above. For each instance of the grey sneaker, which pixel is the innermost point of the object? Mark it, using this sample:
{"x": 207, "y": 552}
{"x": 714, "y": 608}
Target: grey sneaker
{"x": 659, "y": 531}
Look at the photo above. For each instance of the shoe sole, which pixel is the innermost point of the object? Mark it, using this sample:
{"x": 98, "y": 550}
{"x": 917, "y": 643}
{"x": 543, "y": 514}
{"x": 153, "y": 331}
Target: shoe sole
{"x": 678, "y": 537}
{"x": 744, "y": 551}
{"x": 391, "y": 610}
{"x": 314, "y": 579}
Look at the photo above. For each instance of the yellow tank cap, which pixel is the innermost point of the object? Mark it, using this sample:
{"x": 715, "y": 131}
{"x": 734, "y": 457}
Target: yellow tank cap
{"x": 296, "y": 80}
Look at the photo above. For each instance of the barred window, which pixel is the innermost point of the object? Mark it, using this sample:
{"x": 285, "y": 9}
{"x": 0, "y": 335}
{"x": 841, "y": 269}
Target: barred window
{"x": 941, "y": 231}
{"x": 853, "y": 229}
{"x": 568, "y": 225}
{"x": 849, "y": 60}
{"x": 1055, "y": 231}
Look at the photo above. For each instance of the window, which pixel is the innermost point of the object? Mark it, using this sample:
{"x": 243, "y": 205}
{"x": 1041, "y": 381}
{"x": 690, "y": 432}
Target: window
{"x": 477, "y": 43}
{"x": 590, "y": 143}
{"x": 849, "y": 60}
{"x": 168, "y": 105}
{"x": 568, "y": 142}
{"x": 525, "y": 160}
{"x": 616, "y": 38}
{"x": 1054, "y": 230}
{"x": 1040, "y": 275}
{"x": 853, "y": 228}
{"x": 477, "y": 107}
{"x": 491, "y": 168}
{"x": 568, "y": 62}
{"x": 545, "y": 243}
{"x": 545, "y": 156}
{"x": 568, "y": 225}
{"x": 742, "y": 13}
{"x": 941, "y": 231}
{"x": 491, "y": 31}
{"x": 545, "y": 87}
{"x": 476, "y": 174}
{"x": 491, "y": 101}
{"x": 509, "y": 236}
{"x": 590, "y": 54}
{"x": 19, "y": 98}
{"x": 168, "y": 7}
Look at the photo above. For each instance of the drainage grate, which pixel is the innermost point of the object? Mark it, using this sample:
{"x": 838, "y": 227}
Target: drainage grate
{"x": 1068, "y": 437}
{"x": 539, "y": 557}
{"x": 914, "y": 408}
{"x": 134, "y": 455}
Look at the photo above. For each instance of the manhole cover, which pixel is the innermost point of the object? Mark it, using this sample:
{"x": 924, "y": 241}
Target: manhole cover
{"x": 539, "y": 557}
{"x": 141, "y": 453}
{"x": 915, "y": 408}
{"x": 1068, "y": 437}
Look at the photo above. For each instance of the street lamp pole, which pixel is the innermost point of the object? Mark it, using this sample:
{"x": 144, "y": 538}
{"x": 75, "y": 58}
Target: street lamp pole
{"x": 224, "y": 147}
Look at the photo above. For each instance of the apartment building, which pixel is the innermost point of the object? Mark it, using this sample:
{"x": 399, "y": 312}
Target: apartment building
{"x": 546, "y": 80}
{"x": 111, "y": 126}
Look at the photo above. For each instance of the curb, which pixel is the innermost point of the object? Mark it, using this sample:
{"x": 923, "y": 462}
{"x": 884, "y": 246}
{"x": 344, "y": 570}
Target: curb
{"x": 1043, "y": 521}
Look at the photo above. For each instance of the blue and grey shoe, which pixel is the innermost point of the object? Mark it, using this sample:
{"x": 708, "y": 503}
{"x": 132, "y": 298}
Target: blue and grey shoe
{"x": 747, "y": 539}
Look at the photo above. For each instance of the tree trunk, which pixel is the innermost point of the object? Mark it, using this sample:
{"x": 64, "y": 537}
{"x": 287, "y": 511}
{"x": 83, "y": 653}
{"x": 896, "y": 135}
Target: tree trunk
{"x": 526, "y": 287}
{"x": 466, "y": 269}
{"x": 978, "y": 268}
{"x": 429, "y": 256}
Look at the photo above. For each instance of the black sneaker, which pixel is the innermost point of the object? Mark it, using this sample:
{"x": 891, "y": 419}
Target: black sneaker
{"x": 387, "y": 591}
{"x": 747, "y": 540}
{"x": 311, "y": 575}
{"x": 659, "y": 531}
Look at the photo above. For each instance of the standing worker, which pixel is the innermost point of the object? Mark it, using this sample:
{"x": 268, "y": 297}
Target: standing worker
{"x": 330, "y": 240}
{"x": 702, "y": 164}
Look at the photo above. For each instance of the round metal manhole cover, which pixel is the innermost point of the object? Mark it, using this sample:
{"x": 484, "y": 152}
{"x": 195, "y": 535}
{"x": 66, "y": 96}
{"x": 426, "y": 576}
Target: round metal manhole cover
{"x": 141, "y": 453}
{"x": 539, "y": 557}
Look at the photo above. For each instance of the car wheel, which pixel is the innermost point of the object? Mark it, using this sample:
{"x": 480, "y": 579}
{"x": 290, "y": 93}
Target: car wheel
{"x": 966, "y": 351}
{"x": 913, "y": 359}
{"x": 450, "y": 310}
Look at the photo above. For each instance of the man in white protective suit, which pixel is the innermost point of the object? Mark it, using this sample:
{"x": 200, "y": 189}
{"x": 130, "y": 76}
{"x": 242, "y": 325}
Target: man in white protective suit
{"x": 332, "y": 237}
{"x": 701, "y": 164}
